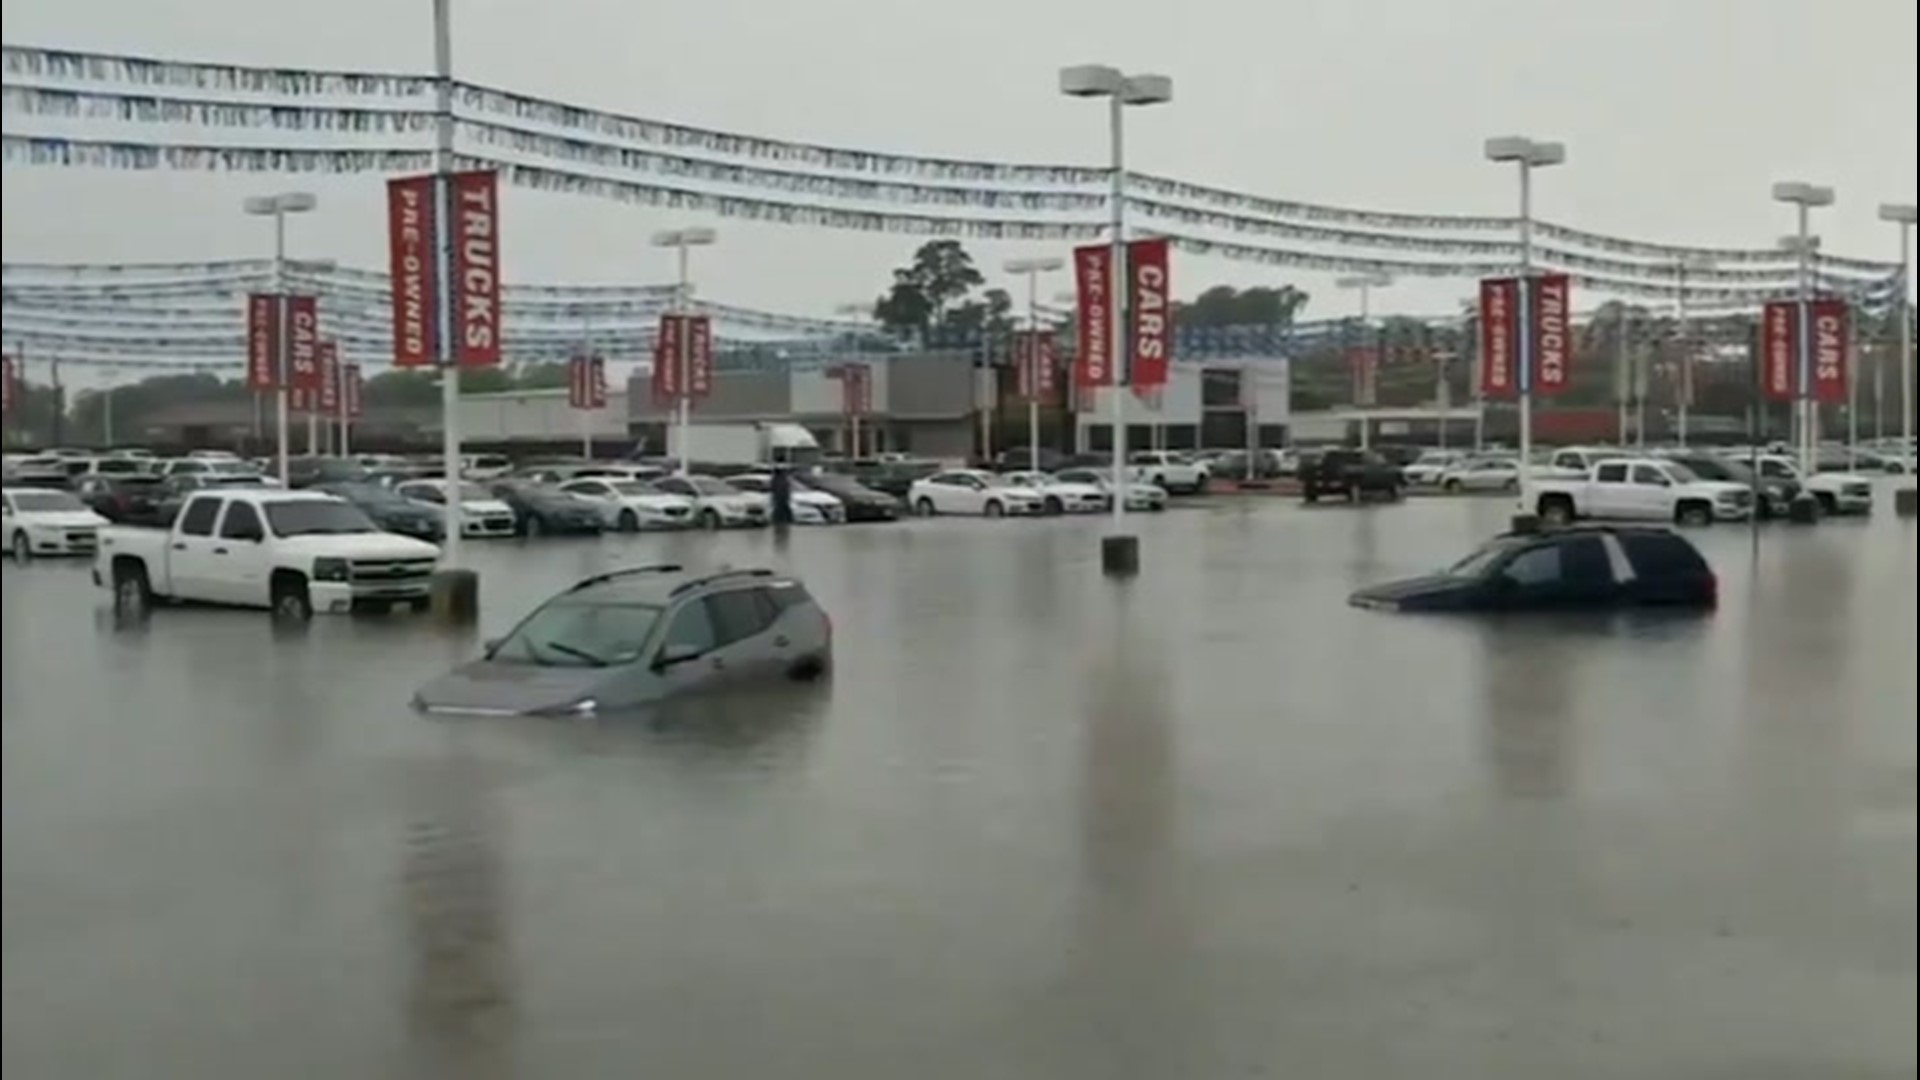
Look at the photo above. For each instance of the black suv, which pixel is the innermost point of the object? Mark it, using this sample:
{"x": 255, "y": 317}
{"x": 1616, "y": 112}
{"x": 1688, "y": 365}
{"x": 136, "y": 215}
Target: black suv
{"x": 1581, "y": 568}
{"x": 1354, "y": 474}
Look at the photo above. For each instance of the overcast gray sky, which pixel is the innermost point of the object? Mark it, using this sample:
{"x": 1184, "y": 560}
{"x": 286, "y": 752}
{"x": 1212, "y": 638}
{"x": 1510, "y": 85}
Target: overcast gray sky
{"x": 1677, "y": 114}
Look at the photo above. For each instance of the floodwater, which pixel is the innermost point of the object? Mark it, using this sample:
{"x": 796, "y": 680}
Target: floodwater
{"x": 1212, "y": 823}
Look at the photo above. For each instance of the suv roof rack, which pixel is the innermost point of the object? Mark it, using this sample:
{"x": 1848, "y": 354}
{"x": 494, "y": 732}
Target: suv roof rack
{"x": 625, "y": 572}
{"x": 718, "y": 575}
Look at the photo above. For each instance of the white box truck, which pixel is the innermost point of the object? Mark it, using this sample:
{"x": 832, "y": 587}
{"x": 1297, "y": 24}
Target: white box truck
{"x": 757, "y": 443}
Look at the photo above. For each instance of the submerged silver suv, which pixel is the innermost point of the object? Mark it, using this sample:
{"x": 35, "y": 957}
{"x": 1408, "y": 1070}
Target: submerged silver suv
{"x": 641, "y": 635}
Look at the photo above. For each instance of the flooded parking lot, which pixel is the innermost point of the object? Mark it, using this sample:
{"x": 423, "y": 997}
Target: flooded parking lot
{"x": 1212, "y": 823}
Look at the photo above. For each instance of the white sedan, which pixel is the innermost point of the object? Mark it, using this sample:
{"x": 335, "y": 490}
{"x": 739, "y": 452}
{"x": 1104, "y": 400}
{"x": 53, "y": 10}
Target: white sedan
{"x": 481, "y": 515}
{"x": 47, "y": 522}
{"x": 716, "y": 503}
{"x": 630, "y": 505}
{"x": 810, "y": 507}
{"x": 973, "y": 491}
{"x": 1482, "y": 474}
{"x": 1431, "y": 467}
{"x": 1140, "y": 496}
{"x": 1062, "y": 495}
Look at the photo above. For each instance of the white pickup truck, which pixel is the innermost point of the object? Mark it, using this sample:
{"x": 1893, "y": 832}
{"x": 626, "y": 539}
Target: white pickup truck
{"x": 1168, "y": 469}
{"x": 1836, "y": 492}
{"x": 293, "y": 552}
{"x": 1643, "y": 489}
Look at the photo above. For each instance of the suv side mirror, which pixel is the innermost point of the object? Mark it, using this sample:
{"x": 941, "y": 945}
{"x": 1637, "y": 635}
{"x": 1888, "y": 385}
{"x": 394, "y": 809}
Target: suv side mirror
{"x": 675, "y": 654}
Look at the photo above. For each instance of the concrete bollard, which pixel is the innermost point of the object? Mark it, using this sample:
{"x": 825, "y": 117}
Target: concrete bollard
{"x": 456, "y": 597}
{"x": 1804, "y": 510}
{"x": 1524, "y": 524}
{"x": 1120, "y": 556}
{"x": 1903, "y": 501}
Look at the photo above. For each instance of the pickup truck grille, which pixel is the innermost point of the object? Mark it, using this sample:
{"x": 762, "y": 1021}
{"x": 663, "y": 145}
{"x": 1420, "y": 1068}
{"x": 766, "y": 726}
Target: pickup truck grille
{"x": 388, "y": 571}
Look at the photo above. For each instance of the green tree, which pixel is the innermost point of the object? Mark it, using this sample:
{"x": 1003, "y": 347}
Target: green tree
{"x": 937, "y": 280}
{"x": 1224, "y": 305}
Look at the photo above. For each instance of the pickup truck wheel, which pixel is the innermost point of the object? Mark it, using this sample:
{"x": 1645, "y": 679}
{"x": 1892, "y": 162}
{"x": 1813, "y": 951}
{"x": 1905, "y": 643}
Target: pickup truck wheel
{"x": 629, "y": 521}
{"x": 132, "y": 592}
{"x": 21, "y": 547}
{"x": 291, "y": 601}
{"x": 1556, "y": 510}
{"x": 1693, "y": 513}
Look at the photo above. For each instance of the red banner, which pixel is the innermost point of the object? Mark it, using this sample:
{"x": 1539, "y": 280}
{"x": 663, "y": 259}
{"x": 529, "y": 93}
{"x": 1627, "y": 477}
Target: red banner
{"x": 1046, "y": 368}
{"x": 1093, "y": 273}
{"x": 303, "y": 343}
{"x": 1551, "y": 328}
{"x": 1499, "y": 331}
{"x": 1364, "y": 366}
{"x": 475, "y": 266}
{"x": 7, "y": 388}
{"x": 410, "y": 267}
{"x": 329, "y": 364}
{"x": 263, "y": 342}
{"x": 699, "y": 355}
{"x": 1150, "y": 311}
{"x": 1779, "y": 349}
{"x": 666, "y": 358}
{"x": 351, "y": 391}
{"x": 856, "y": 389}
{"x": 1023, "y": 380}
{"x": 587, "y": 382}
{"x": 1831, "y": 340}
{"x": 300, "y": 399}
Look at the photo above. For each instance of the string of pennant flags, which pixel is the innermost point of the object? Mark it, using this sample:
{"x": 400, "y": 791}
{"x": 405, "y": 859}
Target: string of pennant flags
{"x": 41, "y": 150}
{"x": 498, "y": 119}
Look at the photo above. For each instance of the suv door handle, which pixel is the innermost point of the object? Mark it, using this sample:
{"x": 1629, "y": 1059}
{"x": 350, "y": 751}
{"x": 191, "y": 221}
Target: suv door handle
{"x": 219, "y": 551}
{"x": 781, "y": 642}
{"x": 179, "y": 547}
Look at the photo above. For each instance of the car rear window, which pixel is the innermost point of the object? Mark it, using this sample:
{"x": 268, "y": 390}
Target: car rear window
{"x": 1662, "y": 555}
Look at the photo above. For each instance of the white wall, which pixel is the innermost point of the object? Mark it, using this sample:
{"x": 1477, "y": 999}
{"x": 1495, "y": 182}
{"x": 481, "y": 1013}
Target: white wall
{"x": 1179, "y": 402}
{"x": 539, "y": 415}
{"x": 814, "y": 394}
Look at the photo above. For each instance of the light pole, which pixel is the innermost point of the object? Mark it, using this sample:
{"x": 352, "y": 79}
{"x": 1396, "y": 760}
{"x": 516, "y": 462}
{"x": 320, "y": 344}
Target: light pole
{"x": 1803, "y": 197}
{"x": 1033, "y": 268}
{"x": 278, "y": 207}
{"x": 1903, "y": 215}
{"x": 1528, "y": 155}
{"x": 1681, "y": 267}
{"x": 1120, "y": 552}
{"x": 1365, "y": 284}
{"x": 681, "y": 240}
{"x": 851, "y": 311}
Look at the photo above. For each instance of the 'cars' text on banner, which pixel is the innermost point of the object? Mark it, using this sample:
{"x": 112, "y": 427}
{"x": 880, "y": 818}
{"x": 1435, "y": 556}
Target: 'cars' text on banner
{"x": 1831, "y": 342}
{"x": 303, "y": 343}
{"x": 1150, "y": 311}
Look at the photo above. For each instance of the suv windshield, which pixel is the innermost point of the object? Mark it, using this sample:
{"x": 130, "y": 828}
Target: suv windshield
{"x": 31, "y": 501}
{"x": 579, "y": 633}
{"x": 1477, "y": 564}
{"x": 316, "y": 517}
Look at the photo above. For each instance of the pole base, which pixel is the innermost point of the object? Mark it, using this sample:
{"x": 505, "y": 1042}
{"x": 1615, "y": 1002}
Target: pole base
{"x": 1904, "y": 500}
{"x": 1524, "y": 524}
{"x": 1804, "y": 510}
{"x": 1120, "y": 556}
{"x": 456, "y": 597}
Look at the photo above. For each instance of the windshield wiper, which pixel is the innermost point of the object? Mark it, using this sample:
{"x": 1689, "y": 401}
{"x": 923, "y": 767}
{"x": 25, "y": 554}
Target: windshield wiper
{"x": 578, "y": 654}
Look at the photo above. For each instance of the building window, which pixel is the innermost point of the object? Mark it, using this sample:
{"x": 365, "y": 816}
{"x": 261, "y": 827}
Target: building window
{"x": 1220, "y": 388}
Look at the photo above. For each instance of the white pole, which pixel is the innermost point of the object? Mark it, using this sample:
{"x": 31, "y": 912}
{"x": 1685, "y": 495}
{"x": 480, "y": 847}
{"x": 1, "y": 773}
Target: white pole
{"x": 281, "y": 336}
{"x": 340, "y": 399}
{"x": 1526, "y": 336}
{"x": 1033, "y": 368}
{"x": 1906, "y": 340}
{"x": 1853, "y": 390}
{"x": 683, "y": 362}
{"x": 1120, "y": 378}
{"x": 1686, "y": 352}
{"x": 443, "y": 242}
{"x": 1803, "y": 402}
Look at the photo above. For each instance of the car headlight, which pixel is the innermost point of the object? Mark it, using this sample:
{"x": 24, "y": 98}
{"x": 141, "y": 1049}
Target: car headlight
{"x": 329, "y": 569}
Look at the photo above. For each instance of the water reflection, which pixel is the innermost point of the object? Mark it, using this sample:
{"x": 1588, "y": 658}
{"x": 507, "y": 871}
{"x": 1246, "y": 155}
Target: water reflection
{"x": 461, "y": 985}
{"x": 1527, "y": 670}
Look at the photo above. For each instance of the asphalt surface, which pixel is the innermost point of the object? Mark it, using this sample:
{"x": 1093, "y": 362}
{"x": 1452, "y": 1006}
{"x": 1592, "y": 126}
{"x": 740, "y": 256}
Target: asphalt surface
{"x": 1210, "y": 824}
